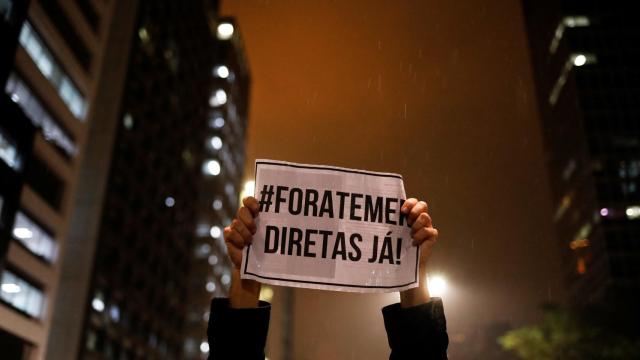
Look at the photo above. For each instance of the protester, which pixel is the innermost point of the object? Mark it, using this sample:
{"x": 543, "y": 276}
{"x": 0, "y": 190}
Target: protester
{"x": 238, "y": 325}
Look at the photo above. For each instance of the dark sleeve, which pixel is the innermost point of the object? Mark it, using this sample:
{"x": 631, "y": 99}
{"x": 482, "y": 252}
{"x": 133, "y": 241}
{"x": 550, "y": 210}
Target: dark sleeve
{"x": 237, "y": 333}
{"x": 418, "y": 332}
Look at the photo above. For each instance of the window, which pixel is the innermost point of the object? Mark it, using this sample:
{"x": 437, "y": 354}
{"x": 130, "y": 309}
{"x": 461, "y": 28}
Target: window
{"x": 224, "y": 31}
{"x": 9, "y": 152}
{"x": 22, "y": 295}
{"x": 47, "y": 65}
{"x": 34, "y": 238}
{"x": 45, "y": 182}
{"x": 30, "y": 104}
{"x": 218, "y": 98}
{"x": 62, "y": 23}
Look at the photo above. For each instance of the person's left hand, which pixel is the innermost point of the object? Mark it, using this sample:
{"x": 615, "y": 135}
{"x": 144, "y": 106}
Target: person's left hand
{"x": 425, "y": 236}
{"x": 422, "y": 230}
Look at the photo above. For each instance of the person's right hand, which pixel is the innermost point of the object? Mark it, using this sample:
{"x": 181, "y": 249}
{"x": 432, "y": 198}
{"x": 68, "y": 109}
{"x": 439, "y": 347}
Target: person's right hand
{"x": 240, "y": 233}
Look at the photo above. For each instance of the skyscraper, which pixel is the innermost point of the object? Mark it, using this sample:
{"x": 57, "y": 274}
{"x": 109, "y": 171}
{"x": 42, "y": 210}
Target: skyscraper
{"x": 174, "y": 177}
{"x": 55, "y": 84}
{"x": 220, "y": 188}
{"x": 588, "y": 82}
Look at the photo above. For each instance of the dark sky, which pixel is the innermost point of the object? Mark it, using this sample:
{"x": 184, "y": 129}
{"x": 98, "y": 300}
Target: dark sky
{"x": 439, "y": 91}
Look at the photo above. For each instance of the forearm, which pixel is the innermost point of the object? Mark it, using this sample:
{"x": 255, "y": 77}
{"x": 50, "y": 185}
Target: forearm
{"x": 418, "y": 295}
{"x": 243, "y": 293}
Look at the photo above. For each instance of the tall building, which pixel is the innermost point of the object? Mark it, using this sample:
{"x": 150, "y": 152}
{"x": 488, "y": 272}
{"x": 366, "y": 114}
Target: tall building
{"x": 588, "y": 82}
{"x": 16, "y": 130}
{"x": 54, "y": 83}
{"x": 148, "y": 252}
{"x": 220, "y": 188}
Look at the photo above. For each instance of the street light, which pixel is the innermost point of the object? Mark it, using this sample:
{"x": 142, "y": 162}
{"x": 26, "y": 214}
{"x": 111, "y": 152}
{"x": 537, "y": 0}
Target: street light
{"x": 247, "y": 189}
{"x": 437, "y": 285}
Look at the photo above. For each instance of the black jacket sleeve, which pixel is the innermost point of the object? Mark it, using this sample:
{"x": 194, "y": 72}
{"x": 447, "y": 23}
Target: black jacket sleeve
{"x": 418, "y": 332}
{"x": 237, "y": 333}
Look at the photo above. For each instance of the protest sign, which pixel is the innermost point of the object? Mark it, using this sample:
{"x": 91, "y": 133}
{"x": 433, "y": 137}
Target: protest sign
{"x": 332, "y": 228}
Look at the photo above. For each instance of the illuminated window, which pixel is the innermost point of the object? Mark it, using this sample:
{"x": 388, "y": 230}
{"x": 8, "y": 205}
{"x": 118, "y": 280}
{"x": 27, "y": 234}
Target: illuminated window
{"x": 581, "y": 59}
{"x": 114, "y": 313}
{"x": 169, "y": 201}
{"x": 22, "y": 295}
{"x": 143, "y": 34}
{"x": 581, "y": 266}
{"x": 217, "y": 204}
{"x": 215, "y": 232}
{"x": 221, "y": 71}
{"x": 9, "y": 152}
{"x": 225, "y": 31}
{"x": 217, "y": 122}
{"x": 127, "y": 121}
{"x": 584, "y": 231}
{"x": 32, "y": 107}
{"x": 633, "y": 212}
{"x": 211, "y": 167}
{"x": 216, "y": 142}
{"x": 225, "y": 279}
{"x": 566, "y": 22}
{"x": 41, "y": 56}
{"x": 34, "y": 238}
{"x": 578, "y": 244}
{"x": 210, "y": 286}
{"x": 98, "y": 302}
{"x": 218, "y": 98}
{"x": 629, "y": 171}
{"x": 563, "y": 207}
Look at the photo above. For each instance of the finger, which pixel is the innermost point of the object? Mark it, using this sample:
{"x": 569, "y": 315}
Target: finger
{"x": 408, "y": 204}
{"x": 235, "y": 255}
{"x": 245, "y": 216}
{"x": 233, "y": 238}
{"x": 252, "y": 204}
{"x": 423, "y": 220}
{"x": 242, "y": 229}
{"x": 420, "y": 207}
{"x": 425, "y": 234}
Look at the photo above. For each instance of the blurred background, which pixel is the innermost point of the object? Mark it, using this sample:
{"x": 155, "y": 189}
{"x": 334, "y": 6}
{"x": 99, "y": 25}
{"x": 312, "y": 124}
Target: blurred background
{"x": 128, "y": 132}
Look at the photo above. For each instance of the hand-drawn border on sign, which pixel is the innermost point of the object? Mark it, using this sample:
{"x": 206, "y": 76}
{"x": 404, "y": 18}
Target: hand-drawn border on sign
{"x": 331, "y": 168}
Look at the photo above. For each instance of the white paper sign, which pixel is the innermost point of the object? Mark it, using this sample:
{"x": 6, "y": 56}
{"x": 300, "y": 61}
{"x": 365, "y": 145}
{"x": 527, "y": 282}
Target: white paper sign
{"x": 325, "y": 227}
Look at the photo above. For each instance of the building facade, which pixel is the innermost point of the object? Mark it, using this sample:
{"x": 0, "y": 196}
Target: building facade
{"x": 588, "y": 86}
{"x": 174, "y": 177}
{"x": 52, "y": 65}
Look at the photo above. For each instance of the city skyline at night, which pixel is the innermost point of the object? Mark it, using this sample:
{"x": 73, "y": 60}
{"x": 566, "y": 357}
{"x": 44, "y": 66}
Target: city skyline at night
{"x": 586, "y": 86}
{"x": 129, "y": 131}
